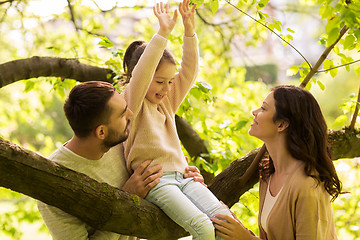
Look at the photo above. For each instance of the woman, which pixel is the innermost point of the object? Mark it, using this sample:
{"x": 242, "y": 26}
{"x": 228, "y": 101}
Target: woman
{"x": 298, "y": 178}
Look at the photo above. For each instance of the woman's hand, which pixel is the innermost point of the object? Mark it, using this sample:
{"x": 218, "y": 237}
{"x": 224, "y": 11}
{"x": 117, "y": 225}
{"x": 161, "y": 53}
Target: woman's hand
{"x": 167, "y": 23}
{"x": 192, "y": 171}
{"x": 230, "y": 228}
{"x": 188, "y": 17}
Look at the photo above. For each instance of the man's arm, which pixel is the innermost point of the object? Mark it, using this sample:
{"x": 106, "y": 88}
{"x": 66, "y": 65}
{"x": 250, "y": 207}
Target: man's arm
{"x": 143, "y": 179}
{"x": 62, "y": 226}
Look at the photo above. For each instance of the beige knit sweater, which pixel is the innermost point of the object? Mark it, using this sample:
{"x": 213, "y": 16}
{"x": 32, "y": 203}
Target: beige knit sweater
{"x": 302, "y": 211}
{"x": 152, "y": 131}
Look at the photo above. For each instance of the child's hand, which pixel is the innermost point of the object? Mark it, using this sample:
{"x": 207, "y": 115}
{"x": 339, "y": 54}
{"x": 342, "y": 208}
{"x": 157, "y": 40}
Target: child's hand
{"x": 167, "y": 23}
{"x": 188, "y": 17}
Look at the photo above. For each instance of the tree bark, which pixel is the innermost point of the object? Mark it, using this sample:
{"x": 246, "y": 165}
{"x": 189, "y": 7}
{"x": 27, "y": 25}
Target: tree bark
{"x": 194, "y": 145}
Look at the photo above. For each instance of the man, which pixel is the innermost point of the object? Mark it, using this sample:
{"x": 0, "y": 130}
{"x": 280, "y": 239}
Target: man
{"x": 99, "y": 117}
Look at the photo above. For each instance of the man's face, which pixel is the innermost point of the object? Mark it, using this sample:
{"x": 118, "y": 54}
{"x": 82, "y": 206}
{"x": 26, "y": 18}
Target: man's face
{"x": 119, "y": 121}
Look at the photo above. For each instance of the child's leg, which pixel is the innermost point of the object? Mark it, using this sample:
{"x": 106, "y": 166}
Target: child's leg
{"x": 205, "y": 200}
{"x": 168, "y": 196}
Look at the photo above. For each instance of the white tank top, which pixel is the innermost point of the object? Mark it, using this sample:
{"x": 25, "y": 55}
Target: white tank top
{"x": 269, "y": 203}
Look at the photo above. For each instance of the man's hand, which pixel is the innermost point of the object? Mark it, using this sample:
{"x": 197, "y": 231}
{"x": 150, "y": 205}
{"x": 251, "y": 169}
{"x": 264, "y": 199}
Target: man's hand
{"x": 192, "y": 171}
{"x": 143, "y": 179}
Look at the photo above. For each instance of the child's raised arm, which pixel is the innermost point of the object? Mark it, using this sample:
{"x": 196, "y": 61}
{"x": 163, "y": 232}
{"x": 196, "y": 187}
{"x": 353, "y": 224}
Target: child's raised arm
{"x": 167, "y": 23}
{"x": 188, "y": 17}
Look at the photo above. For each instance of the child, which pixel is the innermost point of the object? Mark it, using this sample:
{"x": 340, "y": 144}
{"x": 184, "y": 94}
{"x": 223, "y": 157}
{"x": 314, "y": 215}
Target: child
{"x": 154, "y": 93}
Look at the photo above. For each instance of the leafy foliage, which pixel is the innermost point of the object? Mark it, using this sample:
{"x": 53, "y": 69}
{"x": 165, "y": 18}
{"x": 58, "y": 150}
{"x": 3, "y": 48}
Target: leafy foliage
{"x": 219, "y": 105}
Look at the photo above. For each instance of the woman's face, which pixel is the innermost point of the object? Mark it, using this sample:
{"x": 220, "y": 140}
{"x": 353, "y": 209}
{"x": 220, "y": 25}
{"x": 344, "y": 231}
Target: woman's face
{"x": 263, "y": 126}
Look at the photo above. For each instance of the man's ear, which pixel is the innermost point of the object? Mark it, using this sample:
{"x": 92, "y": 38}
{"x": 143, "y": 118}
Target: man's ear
{"x": 283, "y": 125}
{"x": 101, "y": 131}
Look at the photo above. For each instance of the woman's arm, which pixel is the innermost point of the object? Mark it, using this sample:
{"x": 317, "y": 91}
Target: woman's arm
{"x": 313, "y": 214}
{"x": 231, "y": 228}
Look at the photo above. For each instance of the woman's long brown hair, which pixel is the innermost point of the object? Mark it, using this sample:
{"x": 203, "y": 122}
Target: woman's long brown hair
{"x": 307, "y": 136}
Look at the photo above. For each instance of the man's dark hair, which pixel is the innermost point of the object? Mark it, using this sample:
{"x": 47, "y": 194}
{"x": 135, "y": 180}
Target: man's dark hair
{"x": 86, "y": 106}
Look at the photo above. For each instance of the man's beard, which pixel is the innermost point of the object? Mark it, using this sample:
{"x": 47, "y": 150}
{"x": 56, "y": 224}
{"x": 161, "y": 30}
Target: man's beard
{"x": 115, "y": 138}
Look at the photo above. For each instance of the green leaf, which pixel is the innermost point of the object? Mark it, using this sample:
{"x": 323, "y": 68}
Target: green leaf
{"x": 328, "y": 64}
{"x": 344, "y": 60}
{"x": 333, "y": 72}
{"x": 357, "y": 34}
{"x": 277, "y": 25}
{"x": 333, "y": 36}
{"x": 204, "y": 86}
{"x": 357, "y": 70}
{"x": 321, "y": 85}
{"x": 333, "y": 23}
{"x": 349, "y": 42}
{"x": 29, "y": 85}
{"x": 198, "y": 2}
{"x": 261, "y": 4}
{"x": 214, "y": 5}
{"x": 324, "y": 11}
{"x": 261, "y": 16}
{"x": 290, "y": 30}
{"x": 240, "y": 124}
{"x": 305, "y": 65}
{"x": 340, "y": 121}
{"x": 292, "y": 71}
{"x": 105, "y": 42}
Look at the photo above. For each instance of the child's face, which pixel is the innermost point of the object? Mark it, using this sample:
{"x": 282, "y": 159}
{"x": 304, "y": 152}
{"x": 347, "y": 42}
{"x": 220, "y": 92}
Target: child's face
{"x": 161, "y": 83}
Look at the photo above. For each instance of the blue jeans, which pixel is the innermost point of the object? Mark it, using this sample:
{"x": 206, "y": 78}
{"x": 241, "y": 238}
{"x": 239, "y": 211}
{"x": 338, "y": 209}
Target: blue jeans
{"x": 188, "y": 203}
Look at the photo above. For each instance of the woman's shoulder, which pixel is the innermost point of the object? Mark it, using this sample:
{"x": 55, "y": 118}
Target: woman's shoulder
{"x": 302, "y": 184}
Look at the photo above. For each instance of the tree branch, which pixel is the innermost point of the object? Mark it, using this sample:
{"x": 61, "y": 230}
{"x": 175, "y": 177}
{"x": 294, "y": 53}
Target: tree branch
{"x": 325, "y": 70}
{"x": 356, "y": 112}
{"x": 8, "y": 1}
{"x": 72, "y": 14}
{"x": 193, "y": 144}
{"x": 35, "y": 67}
{"x": 270, "y": 31}
{"x": 322, "y": 58}
{"x": 111, "y": 209}
{"x": 114, "y": 210}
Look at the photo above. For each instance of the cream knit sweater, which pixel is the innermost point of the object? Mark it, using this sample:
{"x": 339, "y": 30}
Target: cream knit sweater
{"x": 152, "y": 131}
{"x": 109, "y": 169}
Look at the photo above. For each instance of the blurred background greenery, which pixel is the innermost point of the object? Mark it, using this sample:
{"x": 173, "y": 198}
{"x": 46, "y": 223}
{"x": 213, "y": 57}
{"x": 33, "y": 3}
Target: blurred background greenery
{"x": 240, "y": 62}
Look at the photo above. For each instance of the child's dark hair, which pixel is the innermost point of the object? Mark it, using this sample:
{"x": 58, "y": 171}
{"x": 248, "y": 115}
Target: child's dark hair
{"x": 133, "y": 54}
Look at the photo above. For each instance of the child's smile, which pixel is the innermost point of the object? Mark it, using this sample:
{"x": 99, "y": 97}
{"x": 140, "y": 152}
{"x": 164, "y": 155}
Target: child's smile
{"x": 161, "y": 83}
